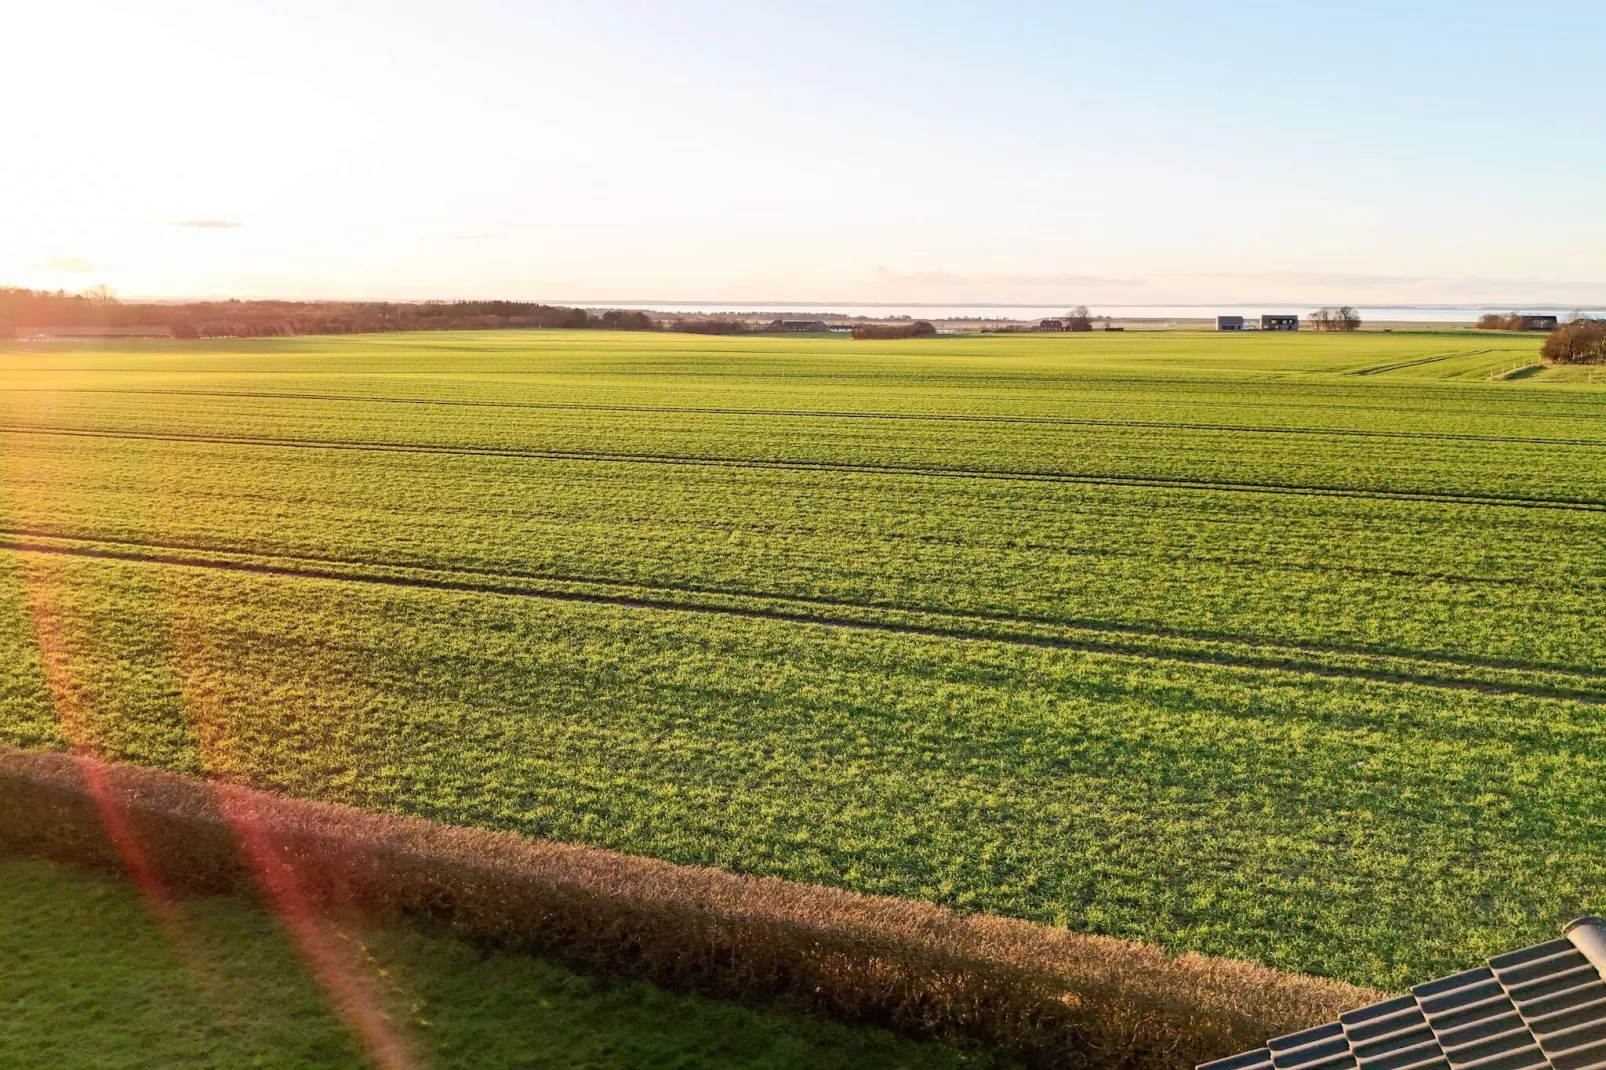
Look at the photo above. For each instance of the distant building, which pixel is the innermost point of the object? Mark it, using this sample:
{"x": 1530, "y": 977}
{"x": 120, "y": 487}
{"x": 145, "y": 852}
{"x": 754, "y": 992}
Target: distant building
{"x": 1229, "y": 323}
{"x": 1051, "y": 325}
{"x": 798, "y": 326}
{"x": 1540, "y": 323}
{"x": 1279, "y": 323}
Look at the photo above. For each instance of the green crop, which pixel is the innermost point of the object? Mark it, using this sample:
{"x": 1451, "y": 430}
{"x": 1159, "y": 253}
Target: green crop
{"x": 1287, "y": 648}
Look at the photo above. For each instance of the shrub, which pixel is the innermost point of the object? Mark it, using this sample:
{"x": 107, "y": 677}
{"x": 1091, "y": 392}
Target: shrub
{"x": 916, "y": 329}
{"x": 1583, "y": 341}
{"x": 711, "y": 326}
{"x": 615, "y": 319}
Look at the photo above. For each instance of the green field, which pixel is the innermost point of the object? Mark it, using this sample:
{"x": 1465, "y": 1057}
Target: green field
{"x": 89, "y": 980}
{"x": 1286, "y": 648}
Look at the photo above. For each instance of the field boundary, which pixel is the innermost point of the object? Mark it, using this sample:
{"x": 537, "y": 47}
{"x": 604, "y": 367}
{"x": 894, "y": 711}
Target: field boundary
{"x": 1521, "y": 371}
{"x": 1455, "y": 673}
{"x": 1050, "y": 996}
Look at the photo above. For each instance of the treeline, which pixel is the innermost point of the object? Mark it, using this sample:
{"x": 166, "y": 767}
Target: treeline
{"x": 1343, "y": 318}
{"x": 1583, "y": 341}
{"x": 712, "y": 325}
{"x": 735, "y": 325}
{"x": 916, "y": 329}
{"x": 268, "y": 319}
{"x": 99, "y": 309}
{"x": 1493, "y": 321}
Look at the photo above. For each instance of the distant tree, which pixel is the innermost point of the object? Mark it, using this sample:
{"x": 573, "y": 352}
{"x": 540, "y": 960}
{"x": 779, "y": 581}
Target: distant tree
{"x": 1078, "y": 319}
{"x": 712, "y": 325}
{"x": 888, "y": 330}
{"x": 1582, "y": 341}
{"x": 1515, "y": 321}
{"x": 615, "y": 319}
{"x": 1493, "y": 321}
{"x": 1343, "y": 318}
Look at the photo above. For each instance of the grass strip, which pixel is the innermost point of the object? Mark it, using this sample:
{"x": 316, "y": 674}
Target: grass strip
{"x": 91, "y": 980}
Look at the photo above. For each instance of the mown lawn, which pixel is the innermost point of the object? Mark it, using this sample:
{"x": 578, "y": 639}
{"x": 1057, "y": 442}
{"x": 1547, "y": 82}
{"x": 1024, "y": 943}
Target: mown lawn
{"x": 1283, "y": 648}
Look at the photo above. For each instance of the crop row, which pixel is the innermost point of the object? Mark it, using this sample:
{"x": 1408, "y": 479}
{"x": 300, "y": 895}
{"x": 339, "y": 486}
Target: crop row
{"x": 1500, "y": 584}
{"x": 1331, "y": 660}
{"x": 1504, "y": 465}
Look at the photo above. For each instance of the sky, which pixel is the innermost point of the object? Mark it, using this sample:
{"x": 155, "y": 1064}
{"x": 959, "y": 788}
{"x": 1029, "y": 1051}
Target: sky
{"x": 1125, "y": 151}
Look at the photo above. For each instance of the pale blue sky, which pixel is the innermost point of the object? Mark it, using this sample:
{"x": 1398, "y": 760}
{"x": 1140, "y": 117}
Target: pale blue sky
{"x": 1035, "y": 152}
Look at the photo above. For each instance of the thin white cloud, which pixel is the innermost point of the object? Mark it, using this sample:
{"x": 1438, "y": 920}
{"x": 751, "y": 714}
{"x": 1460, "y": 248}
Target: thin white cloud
{"x": 208, "y": 224}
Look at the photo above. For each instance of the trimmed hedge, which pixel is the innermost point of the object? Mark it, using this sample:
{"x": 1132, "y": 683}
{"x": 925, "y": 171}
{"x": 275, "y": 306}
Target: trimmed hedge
{"x": 1048, "y": 996}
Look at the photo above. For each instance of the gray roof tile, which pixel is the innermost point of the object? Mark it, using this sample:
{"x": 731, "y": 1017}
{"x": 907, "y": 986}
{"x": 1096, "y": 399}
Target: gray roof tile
{"x": 1539, "y": 1008}
{"x": 1259, "y": 1059}
{"x": 1562, "y": 1000}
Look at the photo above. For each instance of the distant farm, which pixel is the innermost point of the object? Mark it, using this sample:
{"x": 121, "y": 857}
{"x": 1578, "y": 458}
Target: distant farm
{"x": 1282, "y": 647}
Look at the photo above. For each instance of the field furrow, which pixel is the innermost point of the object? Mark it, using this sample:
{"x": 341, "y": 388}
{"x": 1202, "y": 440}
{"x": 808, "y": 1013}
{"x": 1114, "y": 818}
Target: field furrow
{"x": 1488, "y": 676}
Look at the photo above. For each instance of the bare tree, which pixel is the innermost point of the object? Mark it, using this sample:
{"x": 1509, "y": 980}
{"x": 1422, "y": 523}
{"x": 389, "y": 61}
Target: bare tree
{"x": 1582, "y": 341}
{"x": 1079, "y": 319}
{"x": 1343, "y": 318}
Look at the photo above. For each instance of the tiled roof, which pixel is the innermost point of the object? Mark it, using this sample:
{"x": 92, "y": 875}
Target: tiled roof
{"x": 1541, "y": 1008}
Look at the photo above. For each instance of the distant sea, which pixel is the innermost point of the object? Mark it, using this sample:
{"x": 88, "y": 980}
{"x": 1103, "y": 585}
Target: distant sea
{"x": 1372, "y": 313}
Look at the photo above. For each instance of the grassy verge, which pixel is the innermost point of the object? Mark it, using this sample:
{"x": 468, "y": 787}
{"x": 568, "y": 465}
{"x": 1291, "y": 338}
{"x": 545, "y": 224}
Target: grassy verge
{"x": 89, "y": 979}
